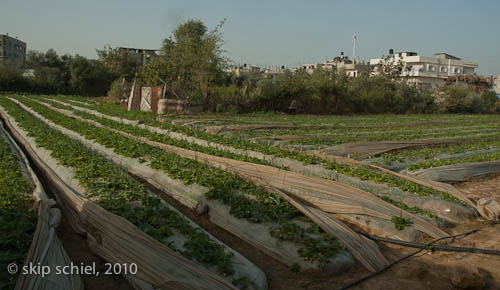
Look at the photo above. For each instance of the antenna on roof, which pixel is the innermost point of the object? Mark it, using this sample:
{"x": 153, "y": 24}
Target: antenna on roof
{"x": 354, "y": 48}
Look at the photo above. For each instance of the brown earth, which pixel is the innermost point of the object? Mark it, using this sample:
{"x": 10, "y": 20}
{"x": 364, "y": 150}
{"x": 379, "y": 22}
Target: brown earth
{"x": 482, "y": 187}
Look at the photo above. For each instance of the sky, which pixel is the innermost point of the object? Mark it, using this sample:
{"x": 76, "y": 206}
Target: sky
{"x": 272, "y": 32}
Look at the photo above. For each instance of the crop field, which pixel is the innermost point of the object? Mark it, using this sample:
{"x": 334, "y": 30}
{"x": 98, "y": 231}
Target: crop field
{"x": 15, "y": 205}
{"x": 303, "y": 191}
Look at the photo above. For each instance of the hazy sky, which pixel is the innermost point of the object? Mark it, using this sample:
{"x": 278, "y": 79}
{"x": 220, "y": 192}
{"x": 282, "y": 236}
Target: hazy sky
{"x": 280, "y": 32}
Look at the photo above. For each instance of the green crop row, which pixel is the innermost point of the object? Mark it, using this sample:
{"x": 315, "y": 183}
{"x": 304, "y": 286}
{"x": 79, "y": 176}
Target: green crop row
{"x": 367, "y": 173}
{"x": 243, "y": 143}
{"x": 112, "y": 188}
{"x": 377, "y": 136}
{"x": 433, "y": 152}
{"x": 150, "y": 119}
{"x": 223, "y": 186}
{"x": 286, "y": 231}
{"x": 140, "y": 132}
{"x": 360, "y": 131}
{"x": 17, "y": 216}
{"x": 493, "y": 156}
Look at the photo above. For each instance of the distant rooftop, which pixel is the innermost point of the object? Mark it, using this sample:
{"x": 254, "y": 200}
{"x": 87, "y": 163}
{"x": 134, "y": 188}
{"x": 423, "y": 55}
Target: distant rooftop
{"x": 444, "y": 55}
{"x": 9, "y": 36}
{"x": 138, "y": 49}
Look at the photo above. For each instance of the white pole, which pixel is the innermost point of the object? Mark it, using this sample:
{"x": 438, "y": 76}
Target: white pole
{"x": 354, "y": 48}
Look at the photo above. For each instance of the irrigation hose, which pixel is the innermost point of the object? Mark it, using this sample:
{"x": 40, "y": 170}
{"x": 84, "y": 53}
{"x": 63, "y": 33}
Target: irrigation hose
{"x": 425, "y": 246}
{"x": 433, "y": 248}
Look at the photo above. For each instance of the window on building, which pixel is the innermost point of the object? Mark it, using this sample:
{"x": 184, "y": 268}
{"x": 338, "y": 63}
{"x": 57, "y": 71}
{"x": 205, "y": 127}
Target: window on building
{"x": 430, "y": 67}
{"x": 456, "y": 70}
{"x": 443, "y": 69}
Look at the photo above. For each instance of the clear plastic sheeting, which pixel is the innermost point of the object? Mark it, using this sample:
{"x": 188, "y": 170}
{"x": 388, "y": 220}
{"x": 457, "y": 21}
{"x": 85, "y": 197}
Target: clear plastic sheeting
{"x": 489, "y": 208}
{"x": 118, "y": 241}
{"x": 365, "y": 150}
{"x": 458, "y": 172}
{"x": 398, "y": 166}
{"x": 46, "y": 249}
{"x": 258, "y": 236}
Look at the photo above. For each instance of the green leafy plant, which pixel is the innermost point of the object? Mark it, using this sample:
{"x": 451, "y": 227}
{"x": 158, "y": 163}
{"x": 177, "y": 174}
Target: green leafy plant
{"x": 17, "y": 216}
{"x": 223, "y": 186}
{"x": 401, "y": 222}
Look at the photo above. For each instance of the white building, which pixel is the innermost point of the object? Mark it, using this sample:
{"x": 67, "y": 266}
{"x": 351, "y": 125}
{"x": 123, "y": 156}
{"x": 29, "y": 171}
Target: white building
{"x": 425, "y": 72}
{"x": 339, "y": 64}
{"x": 496, "y": 84}
{"x": 244, "y": 69}
{"x": 351, "y": 68}
{"x": 310, "y": 67}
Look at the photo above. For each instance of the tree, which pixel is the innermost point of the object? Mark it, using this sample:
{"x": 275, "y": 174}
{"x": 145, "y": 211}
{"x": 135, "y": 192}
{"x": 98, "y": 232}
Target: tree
{"x": 89, "y": 77}
{"x": 118, "y": 62}
{"x": 391, "y": 68}
{"x": 191, "y": 62}
{"x": 51, "y": 71}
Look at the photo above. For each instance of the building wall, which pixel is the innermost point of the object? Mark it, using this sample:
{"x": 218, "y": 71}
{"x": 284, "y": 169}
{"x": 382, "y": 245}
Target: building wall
{"x": 12, "y": 50}
{"x": 496, "y": 84}
{"x": 426, "y": 72}
{"x": 349, "y": 68}
{"x": 139, "y": 56}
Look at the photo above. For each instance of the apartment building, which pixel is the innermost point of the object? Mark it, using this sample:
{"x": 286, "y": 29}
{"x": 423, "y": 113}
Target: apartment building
{"x": 424, "y": 72}
{"x": 12, "y": 50}
{"x": 339, "y": 64}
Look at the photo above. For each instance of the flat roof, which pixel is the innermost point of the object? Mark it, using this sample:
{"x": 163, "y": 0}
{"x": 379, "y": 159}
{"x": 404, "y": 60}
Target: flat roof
{"x": 446, "y": 55}
{"x": 12, "y": 38}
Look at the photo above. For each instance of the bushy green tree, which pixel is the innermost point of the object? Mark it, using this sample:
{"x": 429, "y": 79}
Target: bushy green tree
{"x": 118, "y": 62}
{"x": 466, "y": 99}
{"x": 51, "y": 71}
{"x": 89, "y": 77}
{"x": 489, "y": 102}
{"x": 191, "y": 62}
{"x": 11, "y": 79}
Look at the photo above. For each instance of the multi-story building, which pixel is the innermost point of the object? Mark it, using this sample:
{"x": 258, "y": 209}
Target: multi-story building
{"x": 424, "y": 72}
{"x": 496, "y": 84}
{"x": 351, "y": 68}
{"x": 138, "y": 55}
{"x": 244, "y": 69}
{"x": 310, "y": 67}
{"x": 12, "y": 50}
{"x": 339, "y": 64}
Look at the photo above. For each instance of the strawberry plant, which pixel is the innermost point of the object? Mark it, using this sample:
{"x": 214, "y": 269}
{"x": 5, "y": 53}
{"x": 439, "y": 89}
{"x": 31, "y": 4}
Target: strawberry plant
{"x": 113, "y": 189}
{"x": 494, "y": 156}
{"x": 367, "y": 173}
{"x": 401, "y": 222}
{"x": 18, "y": 218}
{"x": 224, "y": 186}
